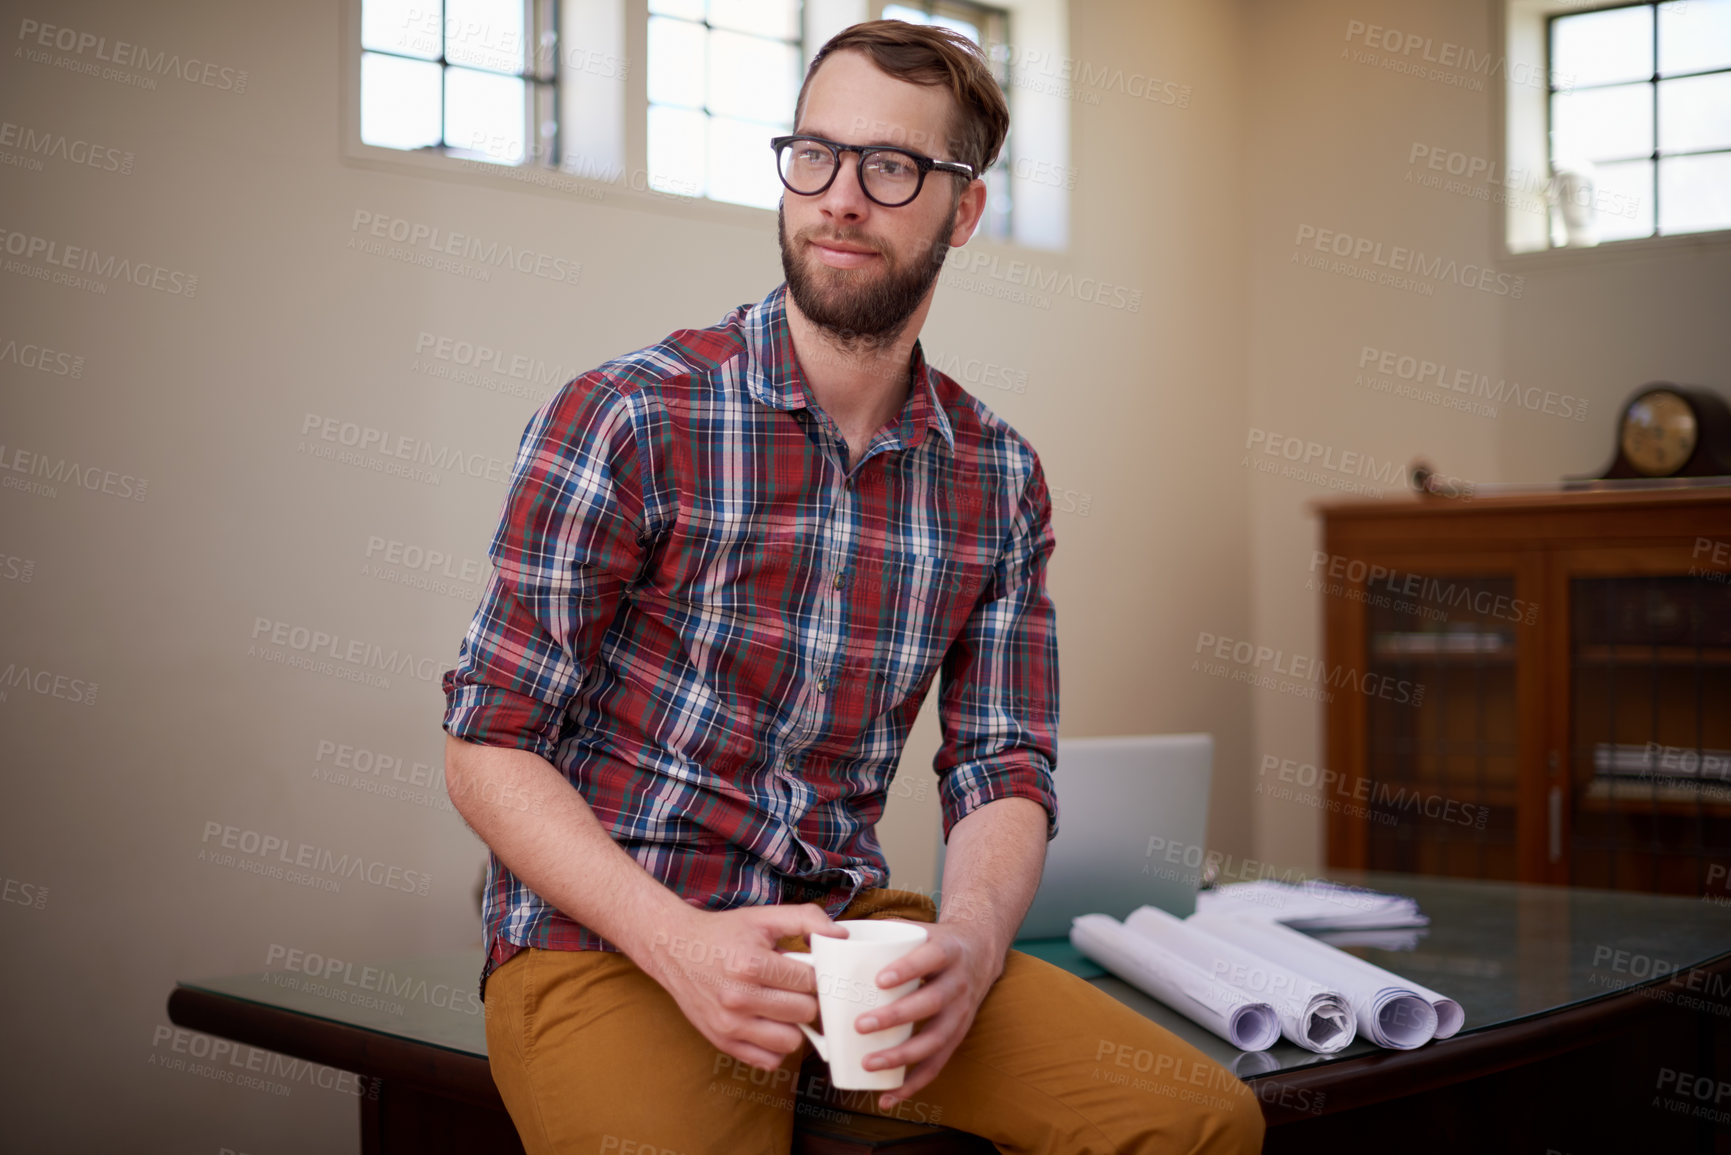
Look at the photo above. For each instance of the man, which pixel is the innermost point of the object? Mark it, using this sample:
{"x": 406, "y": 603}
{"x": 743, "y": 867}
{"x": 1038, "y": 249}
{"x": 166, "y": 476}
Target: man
{"x": 728, "y": 570}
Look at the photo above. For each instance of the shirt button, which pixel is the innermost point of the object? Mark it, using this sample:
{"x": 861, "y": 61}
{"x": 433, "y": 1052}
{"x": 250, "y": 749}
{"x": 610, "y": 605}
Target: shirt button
{"x": 840, "y": 580}
{"x": 822, "y": 683}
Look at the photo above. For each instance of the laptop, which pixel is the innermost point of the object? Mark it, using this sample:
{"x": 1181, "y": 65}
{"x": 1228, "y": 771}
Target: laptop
{"x": 1132, "y": 820}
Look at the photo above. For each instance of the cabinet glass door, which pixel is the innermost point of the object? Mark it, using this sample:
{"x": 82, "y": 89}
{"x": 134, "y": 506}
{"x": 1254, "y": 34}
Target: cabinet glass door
{"x": 1443, "y": 756}
{"x": 1650, "y": 741}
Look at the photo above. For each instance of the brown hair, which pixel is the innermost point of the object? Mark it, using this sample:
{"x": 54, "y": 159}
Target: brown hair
{"x": 932, "y": 56}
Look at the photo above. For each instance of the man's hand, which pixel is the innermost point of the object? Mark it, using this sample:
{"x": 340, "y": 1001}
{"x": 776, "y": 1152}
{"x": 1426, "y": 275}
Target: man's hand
{"x": 959, "y": 961}
{"x": 722, "y": 968}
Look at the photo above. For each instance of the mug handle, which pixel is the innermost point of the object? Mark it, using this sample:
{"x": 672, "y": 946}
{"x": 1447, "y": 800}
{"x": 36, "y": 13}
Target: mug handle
{"x": 817, "y": 1041}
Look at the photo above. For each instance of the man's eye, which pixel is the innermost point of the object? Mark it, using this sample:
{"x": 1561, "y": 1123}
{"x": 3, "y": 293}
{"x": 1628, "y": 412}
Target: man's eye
{"x": 812, "y": 156}
{"x": 891, "y": 166}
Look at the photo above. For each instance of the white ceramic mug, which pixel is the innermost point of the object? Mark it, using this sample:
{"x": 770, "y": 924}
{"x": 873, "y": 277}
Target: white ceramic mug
{"x": 847, "y": 971}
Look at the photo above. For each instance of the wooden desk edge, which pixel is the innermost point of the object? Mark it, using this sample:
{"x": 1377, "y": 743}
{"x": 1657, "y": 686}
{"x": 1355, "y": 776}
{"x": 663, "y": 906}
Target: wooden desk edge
{"x": 426, "y": 1065}
{"x": 1288, "y": 1096}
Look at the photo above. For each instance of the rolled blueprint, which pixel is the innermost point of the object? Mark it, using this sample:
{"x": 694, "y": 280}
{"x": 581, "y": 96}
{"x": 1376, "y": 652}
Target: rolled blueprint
{"x": 1247, "y": 1023}
{"x": 1311, "y": 1015}
{"x": 1391, "y": 1012}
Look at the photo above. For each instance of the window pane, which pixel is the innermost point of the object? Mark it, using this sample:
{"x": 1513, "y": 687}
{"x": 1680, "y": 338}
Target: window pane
{"x": 676, "y": 67}
{"x": 486, "y": 114}
{"x": 741, "y": 167}
{"x": 904, "y": 13}
{"x": 778, "y": 18}
{"x": 677, "y": 148}
{"x": 407, "y": 26}
{"x": 399, "y": 102}
{"x": 485, "y": 34}
{"x": 997, "y": 222}
{"x": 1603, "y": 47}
{"x": 1602, "y": 123}
{"x": 1695, "y": 113}
{"x": 688, "y": 9}
{"x": 1694, "y": 35}
{"x": 1623, "y": 200}
{"x": 752, "y": 78}
{"x": 1695, "y": 193}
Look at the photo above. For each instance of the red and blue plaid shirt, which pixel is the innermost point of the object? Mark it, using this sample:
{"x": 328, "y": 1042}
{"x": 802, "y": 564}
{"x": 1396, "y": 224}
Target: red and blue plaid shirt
{"x": 721, "y": 634}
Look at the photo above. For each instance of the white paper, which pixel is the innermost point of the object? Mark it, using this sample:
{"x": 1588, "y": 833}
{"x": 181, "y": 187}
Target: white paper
{"x": 1311, "y": 1015}
{"x": 1389, "y": 940}
{"x": 1247, "y": 1023}
{"x": 1312, "y": 905}
{"x": 1391, "y": 1012}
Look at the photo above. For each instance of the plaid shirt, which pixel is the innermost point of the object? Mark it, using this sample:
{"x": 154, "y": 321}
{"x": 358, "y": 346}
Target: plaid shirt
{"x": 721, "y": 636}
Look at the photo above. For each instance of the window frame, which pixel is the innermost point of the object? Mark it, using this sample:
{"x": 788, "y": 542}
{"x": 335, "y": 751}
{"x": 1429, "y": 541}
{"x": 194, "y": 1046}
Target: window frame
{"x": 1522, "y": 117}
{"x": 1656, "y": 157}
{"x": 997, "y": 28}
{"x": 802, "y": 54}
{"x": 540, "y": 89}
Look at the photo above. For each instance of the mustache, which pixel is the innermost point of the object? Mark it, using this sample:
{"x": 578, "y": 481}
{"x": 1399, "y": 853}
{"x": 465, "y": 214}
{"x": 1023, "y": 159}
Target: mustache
{"x": 808, "y": 236}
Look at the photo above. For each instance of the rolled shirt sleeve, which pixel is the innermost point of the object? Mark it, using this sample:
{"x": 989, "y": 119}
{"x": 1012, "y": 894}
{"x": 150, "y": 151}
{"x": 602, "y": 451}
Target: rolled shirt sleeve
{"x": 998, "y": 705}
{"x": 570, "y": 541}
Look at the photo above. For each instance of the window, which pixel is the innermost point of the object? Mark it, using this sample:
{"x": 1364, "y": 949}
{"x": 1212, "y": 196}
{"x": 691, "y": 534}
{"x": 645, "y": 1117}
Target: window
{"x": 723, "y": 77}
{"x": 1640, "y": 133}
{"x": 665, "y": 102}
{"x": 990, "y": 29}
{"x": 467, "y": 78}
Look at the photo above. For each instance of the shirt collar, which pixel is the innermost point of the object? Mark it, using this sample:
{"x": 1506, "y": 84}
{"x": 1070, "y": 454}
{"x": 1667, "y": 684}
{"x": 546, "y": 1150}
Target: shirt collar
{"x": 773, "y": 376}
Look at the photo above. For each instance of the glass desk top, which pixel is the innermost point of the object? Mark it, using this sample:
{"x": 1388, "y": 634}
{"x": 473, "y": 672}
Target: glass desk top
{"x": 1504, "y": 951}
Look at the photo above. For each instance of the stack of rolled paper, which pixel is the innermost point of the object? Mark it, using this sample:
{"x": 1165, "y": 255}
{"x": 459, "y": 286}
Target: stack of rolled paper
{"x": 1252, "y": 980}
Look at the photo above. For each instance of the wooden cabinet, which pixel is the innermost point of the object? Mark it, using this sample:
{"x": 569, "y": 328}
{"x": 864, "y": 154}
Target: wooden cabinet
{"x": 1531, "y": 688}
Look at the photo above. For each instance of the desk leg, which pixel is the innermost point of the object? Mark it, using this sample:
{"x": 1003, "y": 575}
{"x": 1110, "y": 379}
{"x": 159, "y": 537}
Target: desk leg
{"x": 407, "y": 1120}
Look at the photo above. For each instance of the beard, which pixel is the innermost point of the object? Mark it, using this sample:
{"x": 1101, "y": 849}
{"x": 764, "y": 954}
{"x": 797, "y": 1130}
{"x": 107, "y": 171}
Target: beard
{"x": 860, "y": 309}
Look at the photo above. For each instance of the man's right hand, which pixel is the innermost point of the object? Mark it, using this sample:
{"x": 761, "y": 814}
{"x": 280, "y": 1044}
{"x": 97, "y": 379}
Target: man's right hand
{"x": 722, "y": 968}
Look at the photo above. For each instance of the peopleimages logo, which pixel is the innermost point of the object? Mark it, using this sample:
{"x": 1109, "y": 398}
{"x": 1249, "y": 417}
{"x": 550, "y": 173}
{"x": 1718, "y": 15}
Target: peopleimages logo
{"x": 128, "y": 55}
{"x": 42, "y": 359}
{"x": 1388, "y": 260}
{"x": 337, "y": 973}
{"x": 83, "y": 259}
{"x": 57, "y": 145}
{"x": 47, "y": 683}
{"x": 1419, "y": 376}
{"x": 272, "y": 853}
{"x": 321, "y": 643}
{"x": 442, "y": 242}
{"x": 29, "y": 464}
{"x": 348, "y": 442}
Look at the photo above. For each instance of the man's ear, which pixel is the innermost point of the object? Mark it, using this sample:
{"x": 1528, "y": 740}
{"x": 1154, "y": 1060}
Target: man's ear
{"x": 970, "y": 207}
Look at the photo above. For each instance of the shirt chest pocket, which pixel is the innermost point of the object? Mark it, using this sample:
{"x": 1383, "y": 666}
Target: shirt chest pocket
{"x": 905, "y": 611}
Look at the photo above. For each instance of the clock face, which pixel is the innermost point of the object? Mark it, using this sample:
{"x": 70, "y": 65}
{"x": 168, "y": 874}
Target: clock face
{"x": 1659, "y": 433}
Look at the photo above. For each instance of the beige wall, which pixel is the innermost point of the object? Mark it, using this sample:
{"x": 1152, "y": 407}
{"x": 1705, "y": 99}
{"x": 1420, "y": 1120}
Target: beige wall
{"x": 1141, "y": 418}
{"x": 1332, "y": 130}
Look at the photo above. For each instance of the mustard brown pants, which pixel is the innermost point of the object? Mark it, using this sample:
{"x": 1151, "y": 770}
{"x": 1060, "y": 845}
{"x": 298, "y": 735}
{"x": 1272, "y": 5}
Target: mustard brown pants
{"x": 592, "y": 1056}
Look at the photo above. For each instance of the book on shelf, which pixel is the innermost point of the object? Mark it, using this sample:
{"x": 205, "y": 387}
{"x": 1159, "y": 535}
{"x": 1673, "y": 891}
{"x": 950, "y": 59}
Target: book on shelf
{"x": 1426, "y": 642}
{"x": 1656, "y": 760}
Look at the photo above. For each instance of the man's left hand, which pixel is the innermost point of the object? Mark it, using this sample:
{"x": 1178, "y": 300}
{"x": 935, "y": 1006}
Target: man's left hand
{"x": 959, "y": 962}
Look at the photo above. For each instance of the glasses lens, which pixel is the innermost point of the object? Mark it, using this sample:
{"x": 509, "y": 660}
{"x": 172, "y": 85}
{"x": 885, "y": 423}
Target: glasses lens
{"x": 806, "y": 166}
{"x": 891, "y": 178}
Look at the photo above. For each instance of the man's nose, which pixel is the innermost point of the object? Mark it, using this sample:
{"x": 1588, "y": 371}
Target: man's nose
{"x": 844, "y": 197}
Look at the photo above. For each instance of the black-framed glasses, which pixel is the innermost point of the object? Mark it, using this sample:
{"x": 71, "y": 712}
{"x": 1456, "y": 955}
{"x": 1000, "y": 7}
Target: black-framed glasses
{"x": 890, "y": 176}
